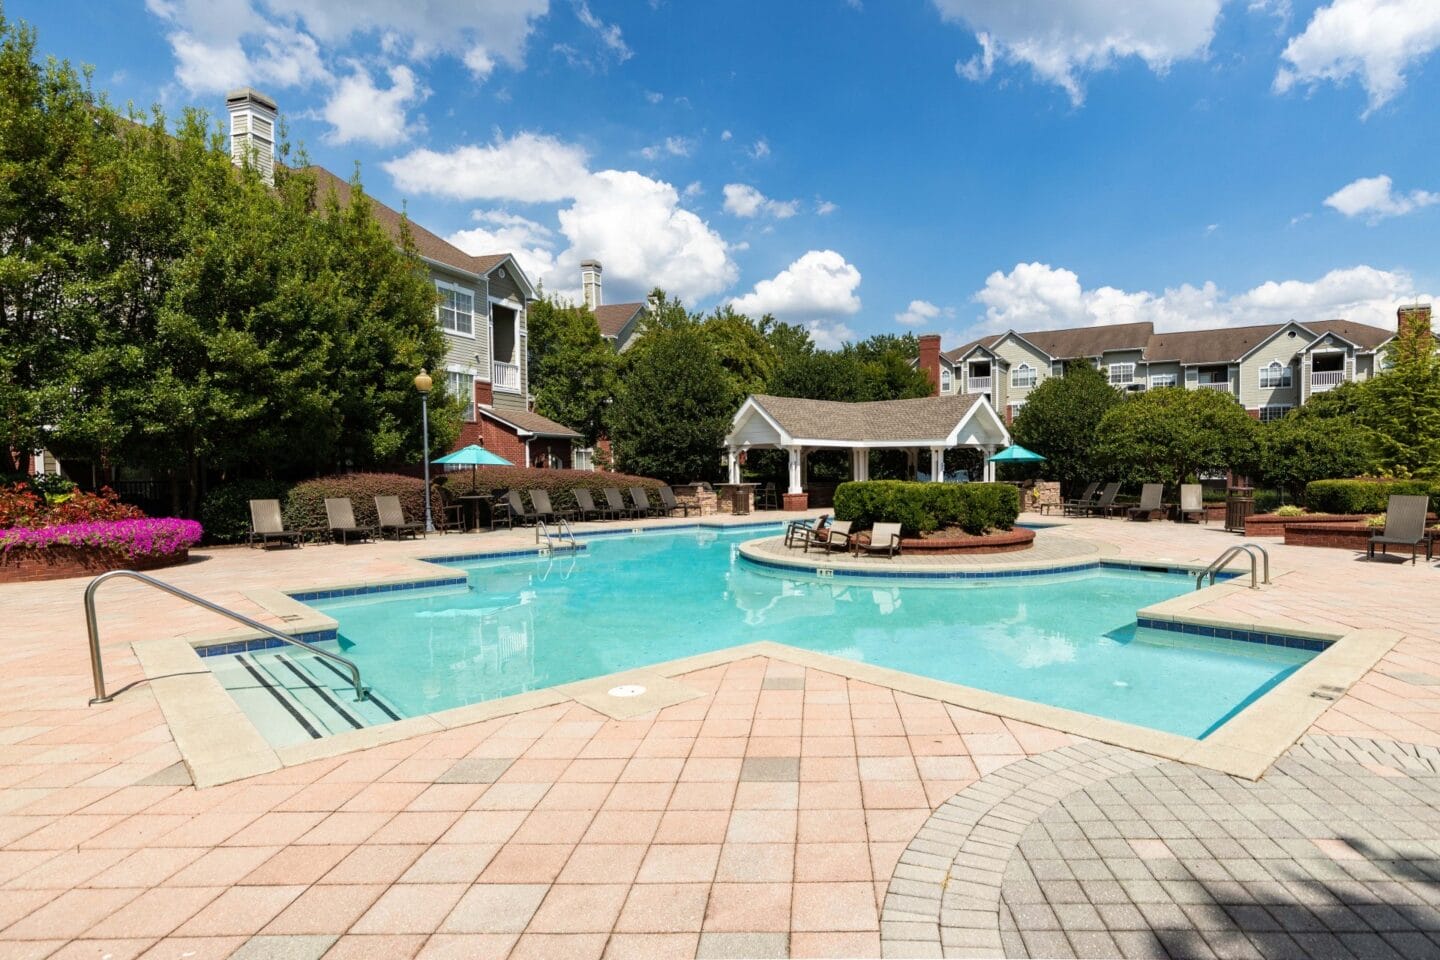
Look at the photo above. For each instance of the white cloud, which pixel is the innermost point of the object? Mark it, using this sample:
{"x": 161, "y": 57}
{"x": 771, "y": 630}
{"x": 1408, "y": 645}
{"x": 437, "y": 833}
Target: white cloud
{"x": 817, "y": 287}
{"x": 529, "y": 167}
{"x": 277, "y": 57}
{"x": 1375, "y": 41}
{"x": 1065, "y": 39}
{"x": 531, "y": 242}
{"x": 760, "y": 150}
{"x": 922, "y": 312}
{"x": 608, "y": 33}
{"x": 670, "y": 146}
{"x": 692, "y": 190}
{"x": 634, "y": 224}
{"x": 824, "y": 207}
{"x": 1375, "y": 199}
{"x": 830, "y": 334}
{"x": 725, "y": 135}
{"x": 743, "y": 200}
{"x": 1037, "y": 296}
{"x": 654, "y": 97}
{"x": 360, "y": 111}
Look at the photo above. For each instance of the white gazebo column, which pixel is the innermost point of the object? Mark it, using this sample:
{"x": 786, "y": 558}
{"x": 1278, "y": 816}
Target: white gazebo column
{"x": 795, "y": 486}
{"x": 733, "y": 463}
{"x": 989, "y": 473}
{"x": 937, "y": 464}
{"x": 859, "y": 463}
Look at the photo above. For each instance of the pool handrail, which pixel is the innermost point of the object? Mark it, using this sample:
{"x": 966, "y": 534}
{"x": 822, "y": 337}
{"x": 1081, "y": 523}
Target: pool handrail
{"x": 1231, "y": 553}
{"x": 92, "y": 625}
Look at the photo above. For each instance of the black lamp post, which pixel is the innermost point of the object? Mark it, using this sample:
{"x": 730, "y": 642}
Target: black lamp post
{"x": 423, "y": 383}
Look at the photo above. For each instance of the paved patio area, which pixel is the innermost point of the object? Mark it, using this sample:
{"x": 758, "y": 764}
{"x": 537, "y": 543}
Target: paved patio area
{"x": 786, "y": 811}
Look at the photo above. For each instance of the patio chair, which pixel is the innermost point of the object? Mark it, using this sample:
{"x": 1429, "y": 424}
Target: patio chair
{"x": 768, "y": 498}
{"x": 1104, "y": 505}
{"x": 392, "y": 518}
{"x": 641, "y": 500}
{"x": 835, "y": 537}
{"x": 518, "y": 513}
{"x": 1405, "y": 517}
{"x": 340, "y": 514}
{"x": 585, "y": 506}
{"x": 796, "y": 531}
{"x": 669, "y": 504}
{"x": 1192, "y": 500}
{"x": 451, "y": 515}
{"x": 1081, "y": 503}
{"x": 616, "y": 503}
{"x": 267, "y": 526}
{"x": 1151, "y": 495}
{"x": 544, "y": 509}
{"x": 884, "y": 538}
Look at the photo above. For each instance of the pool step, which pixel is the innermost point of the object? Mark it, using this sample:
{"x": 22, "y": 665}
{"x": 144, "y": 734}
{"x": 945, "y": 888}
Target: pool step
{"x": 294, "y": 697}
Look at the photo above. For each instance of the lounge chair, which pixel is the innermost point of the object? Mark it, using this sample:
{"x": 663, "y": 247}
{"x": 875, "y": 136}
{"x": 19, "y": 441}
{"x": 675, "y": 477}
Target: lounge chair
{"x": 616, "y": 503}
{"x": 518, "y": 513}
{"x": 796, "y": 531}
{"x": 835, "y": 537}
{"x": 1192, "y": 500}
{"x": 884, "y": 538}
{"x": 267, "y": 526}
{"x": 1081, "y": 503}
{"x": 544, "y": 509}
{"x": 585, "y": 505}
{"x": 340, "y": 513}
{"x": 1405, "y": 517}
{"x": 641, "y": 500}
{"x": 1151, "y": 495}
{"x": 669, "y": 504}
{"x": 392, "y": 518}
{"x": 1104, "y": 505}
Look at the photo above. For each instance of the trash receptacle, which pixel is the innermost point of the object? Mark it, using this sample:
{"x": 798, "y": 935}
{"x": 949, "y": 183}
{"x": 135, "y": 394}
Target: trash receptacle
{"x": 1239, "y": 504}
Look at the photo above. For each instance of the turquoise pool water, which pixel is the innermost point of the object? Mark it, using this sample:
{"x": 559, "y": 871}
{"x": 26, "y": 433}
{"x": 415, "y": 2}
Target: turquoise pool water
{"x": 629, "y": 601}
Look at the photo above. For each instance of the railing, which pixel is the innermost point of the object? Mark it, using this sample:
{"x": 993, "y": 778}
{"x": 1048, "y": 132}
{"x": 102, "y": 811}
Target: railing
{"x": 1249, "y": 549}
{"x": 1222, "y": 385}
{"x": 97, "y": 670}
{"x": 978, "y": 384}
{"x": 1322, "y": 380}
{"x": 505, "y": 376}
{"x": 563, "y": 533}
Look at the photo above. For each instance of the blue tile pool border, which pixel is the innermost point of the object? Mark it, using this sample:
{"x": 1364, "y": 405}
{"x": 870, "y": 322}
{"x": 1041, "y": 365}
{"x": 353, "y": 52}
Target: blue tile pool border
{"x": 305, "y": 595}
{"x": 1311, "y": 644}
{"x": 263, "y": 643}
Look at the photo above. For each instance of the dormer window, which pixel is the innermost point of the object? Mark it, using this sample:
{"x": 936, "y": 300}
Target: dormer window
{"x": 947, "y": 380}
{"x": 1276, "y": 376}
{"x": 1023, "y": 376}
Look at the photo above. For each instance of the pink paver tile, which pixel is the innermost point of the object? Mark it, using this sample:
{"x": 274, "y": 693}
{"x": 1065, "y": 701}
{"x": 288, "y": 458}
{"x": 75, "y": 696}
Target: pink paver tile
{"x": 893, "y": 794}
{"x": 748, "y": 907}
{"x": 410, "y": 908}
{"x": 829, "y": 795}
{"x": 651, "y": 946}
{"x": 664, "y": 908}
{"x": 762, "y": 826}
{"x": 571, "y": 946}
{"x": 603, "y": 863}
{"x": 901, "y": 824}
{"x": 485, "y": 827}
{"x": 70, "y": 914}
{"x": 194, "y": 948}
{"x": 623, "y": 826}
{"x": 575, "y": 796}
{"x": 374, "y": 864}
{"x": 369, "y": 946}
{"x": 110, "y": 949}
{"x": 756, "y": 863}
{"x": 817, "y": 826}
{"x": 527, "y": 863}
{"x": 294, "y": 865}
{"x": 703, "y": 796}
{"x": 147, "y": 868}
{"x": 807, "y": 944}
{"x": 325, "y": 908}
{"x": 679, "y": 863}
{"x": 346, "y": 827}
{"x": 451, "y": 863}
{"x": 155, "y": 913}
{"x": 693, "y": 826}
{"x": 640, "y": 795}
{"x": 579, "y": 908}
{"x": 495, "y": 908}
{"x": 240, "y": 911}
{"x": 415, "y": 827}
{"x": 466, "y": 946}
{"x": 832, "y": 861}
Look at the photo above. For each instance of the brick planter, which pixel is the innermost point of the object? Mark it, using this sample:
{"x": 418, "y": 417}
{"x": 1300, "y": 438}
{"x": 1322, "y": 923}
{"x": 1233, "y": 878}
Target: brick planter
{"x": 796, "y": 502}
{"x": 61, "y": 562}
{"x": 998, "y": 541}
{"x": 1269, "y": 525}
{"x": 1354, "y": 535}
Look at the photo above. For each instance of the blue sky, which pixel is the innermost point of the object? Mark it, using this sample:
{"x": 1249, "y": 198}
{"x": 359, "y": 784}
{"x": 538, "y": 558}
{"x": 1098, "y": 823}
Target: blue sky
{"x": 953, "y": 165}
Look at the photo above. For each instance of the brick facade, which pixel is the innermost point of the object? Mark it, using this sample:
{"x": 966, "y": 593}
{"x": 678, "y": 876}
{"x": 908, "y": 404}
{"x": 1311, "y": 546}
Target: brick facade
{"x": 930, "y": 360}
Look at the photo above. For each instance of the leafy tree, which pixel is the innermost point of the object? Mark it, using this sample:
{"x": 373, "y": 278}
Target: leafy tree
{"x": 1402, "y": 406}
{"x": 821, "y": 375}
{"x": 1298, "y": 449}
{"x": 1172, "y": 434}
{"x": 1059, "y": 421}
{"x": 673, "y": 407}
{"x": 743, "y": 348}
{"x": 572, "y": 367}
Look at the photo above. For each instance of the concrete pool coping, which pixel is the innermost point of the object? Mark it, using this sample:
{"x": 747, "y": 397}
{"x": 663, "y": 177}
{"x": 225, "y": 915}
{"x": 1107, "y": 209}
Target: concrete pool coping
{"x": 219, "y": 742}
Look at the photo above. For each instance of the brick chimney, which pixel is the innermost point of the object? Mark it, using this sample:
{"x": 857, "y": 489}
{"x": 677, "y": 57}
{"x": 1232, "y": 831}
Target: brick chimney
{"x": 930, "y": 360}
{"x": 590, "y": 283}
{"x": 1413, "y": 317}
{"x": 252, "y": 130}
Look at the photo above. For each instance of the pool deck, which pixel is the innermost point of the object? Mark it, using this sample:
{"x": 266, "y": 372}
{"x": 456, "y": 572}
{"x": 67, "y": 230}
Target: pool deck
{"x": 783, "y": 809}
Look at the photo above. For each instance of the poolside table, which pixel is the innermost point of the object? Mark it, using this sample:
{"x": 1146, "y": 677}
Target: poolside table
{"x": 471, "y": 502}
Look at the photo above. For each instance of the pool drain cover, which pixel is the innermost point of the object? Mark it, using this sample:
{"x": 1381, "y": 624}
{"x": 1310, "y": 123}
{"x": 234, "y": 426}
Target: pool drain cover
{"x": 627, "y": 690}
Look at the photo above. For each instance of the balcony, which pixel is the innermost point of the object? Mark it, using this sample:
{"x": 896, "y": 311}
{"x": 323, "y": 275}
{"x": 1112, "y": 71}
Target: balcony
{"x": 977, "y": 385}
{"x": 1322, "y": 380}
{"x": 1222, "y": 385}
{"x": 505, "y": 376}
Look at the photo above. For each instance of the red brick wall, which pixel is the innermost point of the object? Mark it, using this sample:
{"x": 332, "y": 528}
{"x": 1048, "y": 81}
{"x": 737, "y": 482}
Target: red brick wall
{"x": 930, "y": 360}
{"x": 484, "y": 393}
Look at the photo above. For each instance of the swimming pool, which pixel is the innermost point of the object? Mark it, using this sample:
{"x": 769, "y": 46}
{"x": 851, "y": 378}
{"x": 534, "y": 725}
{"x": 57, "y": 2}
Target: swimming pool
{"x": 525, "y": 623}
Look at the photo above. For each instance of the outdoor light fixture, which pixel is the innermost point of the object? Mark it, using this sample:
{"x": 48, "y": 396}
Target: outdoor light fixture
{"x": 423, "y": 384}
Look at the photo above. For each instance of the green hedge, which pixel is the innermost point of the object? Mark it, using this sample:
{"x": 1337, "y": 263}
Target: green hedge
{"x": 1363, "y": 496}
{"x": 557, "y": 483}
{"x": 921, "y": 507}
{"x": 225, "y": 511}
{"x": 305, "y": 507}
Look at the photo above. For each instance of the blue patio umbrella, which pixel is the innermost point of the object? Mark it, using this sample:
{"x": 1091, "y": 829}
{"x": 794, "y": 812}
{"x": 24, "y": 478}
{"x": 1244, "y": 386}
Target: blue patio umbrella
{"x": 474, "y": 456}
{"x": 1016, "y": 454}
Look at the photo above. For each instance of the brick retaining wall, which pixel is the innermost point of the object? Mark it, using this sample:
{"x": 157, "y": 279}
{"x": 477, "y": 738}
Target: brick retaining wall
{"x": 60, "y": 562}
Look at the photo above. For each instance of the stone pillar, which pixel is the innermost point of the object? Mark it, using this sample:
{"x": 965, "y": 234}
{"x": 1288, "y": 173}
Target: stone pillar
{"x": 937, "y": 464}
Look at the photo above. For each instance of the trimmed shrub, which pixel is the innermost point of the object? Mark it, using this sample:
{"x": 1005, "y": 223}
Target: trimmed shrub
{"x": 975, "y": 508}
{"x": 305, "y": 505}
{"x": 225, "y": 511}
{"x": 557, "y": 483}
{"x": 1290, "y": 510}
{"x": 22, "y": 506}
{"x": 1363, "y": 495}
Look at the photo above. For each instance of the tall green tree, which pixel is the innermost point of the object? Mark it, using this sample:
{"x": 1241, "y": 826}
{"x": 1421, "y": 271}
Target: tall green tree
{"x": 1172, "y": 434}
{"x": 1298, "y": 449}
{"x": 673, "y": 407}
{"x": 743, "y": 348}
{"x": 1059, "y": 421}
{"x": 572, "y": 367}
{"x": 1402, "y": 406}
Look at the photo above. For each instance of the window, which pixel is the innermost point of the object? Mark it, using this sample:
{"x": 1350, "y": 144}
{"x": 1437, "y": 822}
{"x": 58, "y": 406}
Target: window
{"x": 947, "y": 379}
{"x": 457, "y": 310}
{"x": 1015, "y": 407}
{"x": 1158, "y": 380}
{"x": 1275, "y": 376}
{"x": 1276, "y": 412}
{"x": 1121, "y": 373}
{"x": 1022, "y": 376}
{"x": 584, "y": 458}
{"x": 460, "y": 384}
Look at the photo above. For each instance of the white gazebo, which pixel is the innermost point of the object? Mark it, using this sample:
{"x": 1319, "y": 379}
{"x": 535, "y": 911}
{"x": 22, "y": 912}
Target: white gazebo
{"x": 799, "y": 427}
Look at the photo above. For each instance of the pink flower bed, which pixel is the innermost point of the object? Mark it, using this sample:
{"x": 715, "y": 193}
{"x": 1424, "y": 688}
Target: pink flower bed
{"x": 149, "y": 537}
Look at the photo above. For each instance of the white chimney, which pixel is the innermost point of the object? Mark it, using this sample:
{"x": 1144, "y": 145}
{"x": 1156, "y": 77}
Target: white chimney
{"x": 252, "y": 130}
{"x": 590, "y": 283}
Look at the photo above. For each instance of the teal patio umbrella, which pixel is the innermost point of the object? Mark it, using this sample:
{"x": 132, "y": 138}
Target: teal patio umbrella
{"x": 474, "y": 456}
{"x": 1015, "y": 454}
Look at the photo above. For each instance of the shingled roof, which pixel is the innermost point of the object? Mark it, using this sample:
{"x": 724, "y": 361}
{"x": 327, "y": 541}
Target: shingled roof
{"x": 880, "y": 421}
{"x": 612, "y": 317}
{"x": 528, "y": 422}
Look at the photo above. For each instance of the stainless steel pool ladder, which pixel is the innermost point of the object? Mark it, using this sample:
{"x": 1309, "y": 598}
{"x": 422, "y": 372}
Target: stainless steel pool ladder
{"x": 564, "y": 534}
{"x": 1249, "y": 549}
{"x": 93, "y": 626}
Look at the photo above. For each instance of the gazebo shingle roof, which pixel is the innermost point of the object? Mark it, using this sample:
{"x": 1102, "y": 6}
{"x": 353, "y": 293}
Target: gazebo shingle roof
{"x": 878, "y": 421}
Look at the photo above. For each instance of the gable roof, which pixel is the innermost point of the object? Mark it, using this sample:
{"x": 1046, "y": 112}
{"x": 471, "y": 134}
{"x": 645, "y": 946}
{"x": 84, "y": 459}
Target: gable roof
{"x": 918, "y": 420}
{"x": 613, "y": 317}
{"x": 527, "y": 422}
